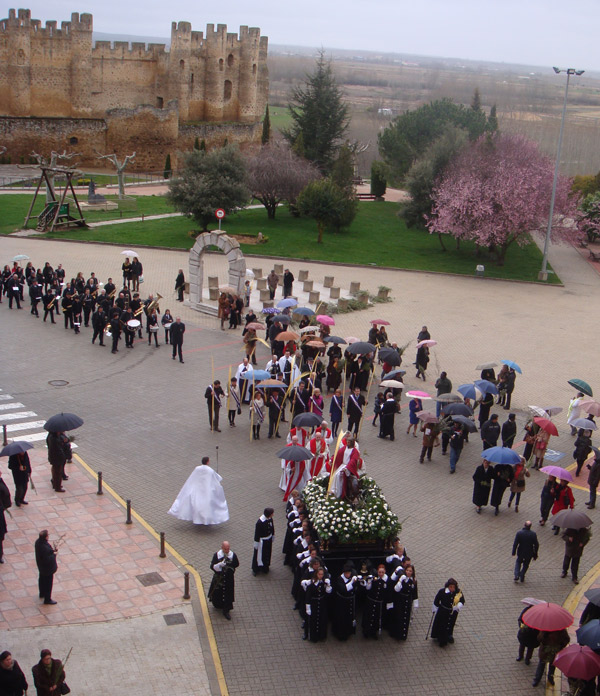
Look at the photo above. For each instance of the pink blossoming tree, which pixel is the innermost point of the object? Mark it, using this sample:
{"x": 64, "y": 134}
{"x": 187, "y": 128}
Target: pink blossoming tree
{"x": 497, "y": 191}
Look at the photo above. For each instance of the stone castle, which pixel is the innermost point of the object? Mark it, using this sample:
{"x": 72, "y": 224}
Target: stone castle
{"x": 59, "y": 91}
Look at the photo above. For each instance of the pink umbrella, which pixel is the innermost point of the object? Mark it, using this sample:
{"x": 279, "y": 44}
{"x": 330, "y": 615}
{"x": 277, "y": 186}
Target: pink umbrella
{"x": 578, "y": 662}
{"x": 380, "y": 322}
{"x": 352, "y": 339}
{"x": 557, "y": 471}
{"x": 590, "y": 406}
{"x": 429, "y": 342}
{"x": 548, "y": 617}
{"x": 324, "y": 319}
{"x": 414, "y": 394}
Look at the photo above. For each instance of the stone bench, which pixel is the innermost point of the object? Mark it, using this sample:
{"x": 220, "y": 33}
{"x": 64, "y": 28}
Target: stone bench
{"x": 307, "y": 286}
{"x": 334, "y": 293}
{"x": 313, "y": 296}
{"x": 302, "y": 276}
{"x": 328, "y": 282}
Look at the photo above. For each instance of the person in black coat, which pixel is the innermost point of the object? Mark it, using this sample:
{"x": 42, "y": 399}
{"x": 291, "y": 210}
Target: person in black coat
{"x": 387, "y": 416}
{"x": 5, "y": 503}
{"x": 354, "y": 409}
{"x": 264, "y": 531}
{"x": 35, "y": 295}
{"x": 525, "y": 547}
{"x": 447, "y": 603}
{"x": 344, "y": 604}
{"x": 510, "y": 387}
{"x": 483, "y": 477}
{"x": 222, "y": 587}
{"x": 99, "y": 322}
{"x": 20, "y": 466}
{"x": 57, "y": 459}
{"x": 509, "y": 431}
{"x": 13, "y": 290}
{"x": 405, "y": 598}
{"x": 490, "y": 431}
{"x": 288, "y": 282}
{"x": 528, "y": 639}
{"x": 50, "y": 305}
{"x": 213, "y": 395}
{"x": 301, "y": 399}
{"x": 12, "y": 679}
{"x": 45, "y": 558}
{"x": 316, "y": 601}
{"x": 274, "y": 412}
{"x": 375, "y": 606}
{"x": 180, "y": 285}
{"x": 177, "y": 331}
{"x": 485, "y": 407}
{"x": 503, "y": 475}
{"x": 583, "y": 448}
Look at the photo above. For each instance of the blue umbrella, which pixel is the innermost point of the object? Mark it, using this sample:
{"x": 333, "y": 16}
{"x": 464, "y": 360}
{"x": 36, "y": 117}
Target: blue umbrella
{"x": 468, "y": 391}
{"x": 270, "y": 310}
{"x": 256, "y": 375}
{"x": 288, "y": 302}
{"x": 302, "y": 310}
{"x": 485, "y": 386}
{"x": 513, "y": 365}
{"x": 589, "y": 634}
{"x": 501, "y": 455}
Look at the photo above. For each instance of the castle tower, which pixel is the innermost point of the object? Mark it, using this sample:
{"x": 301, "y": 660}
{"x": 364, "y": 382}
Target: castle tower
{"x": 179, "y": 66}
{"x": 19, "y": 66}
{"x": 81, "y": 63}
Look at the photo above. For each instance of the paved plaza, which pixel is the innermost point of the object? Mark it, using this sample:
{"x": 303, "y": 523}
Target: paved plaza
{"x": 146, "y": 427}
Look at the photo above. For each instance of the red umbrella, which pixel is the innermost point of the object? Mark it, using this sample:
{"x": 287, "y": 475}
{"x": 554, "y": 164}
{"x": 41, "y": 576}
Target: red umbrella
{"x": 547, "y": 425}
{"x": 548, "y": 617}
{"x": 578, "y": 662}
{"x": 380, "y": 322}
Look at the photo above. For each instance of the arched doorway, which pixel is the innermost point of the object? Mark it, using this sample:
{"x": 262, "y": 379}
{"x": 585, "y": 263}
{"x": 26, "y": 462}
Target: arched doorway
{"x": 237, "y": 265}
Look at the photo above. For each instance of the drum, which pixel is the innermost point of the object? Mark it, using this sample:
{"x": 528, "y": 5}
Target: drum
{"x": 168, "y": 326}
{"x": 153, "y": 329}
{"x": 134, "y": 324}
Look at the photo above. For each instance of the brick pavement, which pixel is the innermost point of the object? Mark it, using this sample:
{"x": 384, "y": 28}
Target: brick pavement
{"x": 146, "y": 427}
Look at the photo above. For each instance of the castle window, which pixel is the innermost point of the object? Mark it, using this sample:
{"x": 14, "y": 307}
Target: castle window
{"x": 220, "y": 64}
{"x": 182, "y": 64}
{"x": 159, "y": 102}
{"x": 227, "y": 90}
{"x": 20, "y": 57}
{"x": 254, "y": 69}
{"x": 230, "y": 60}
{"x": 73, "y": 141}
{"x": 191, "y": 79}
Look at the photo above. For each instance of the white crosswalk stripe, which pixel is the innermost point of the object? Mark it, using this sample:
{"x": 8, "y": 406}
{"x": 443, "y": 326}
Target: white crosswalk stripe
{"x": 5, "y": 397}
{"x": 31, "y": 425}
{"x": 16, "y": 416}
{"x": 7, "y": 407}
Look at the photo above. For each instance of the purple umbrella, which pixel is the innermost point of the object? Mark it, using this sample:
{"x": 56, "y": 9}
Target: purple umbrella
{"x": 557, "y": 471}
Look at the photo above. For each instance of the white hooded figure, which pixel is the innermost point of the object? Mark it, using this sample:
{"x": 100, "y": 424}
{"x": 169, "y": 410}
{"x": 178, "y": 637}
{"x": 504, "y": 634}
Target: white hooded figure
{"x": 202, "y": 499}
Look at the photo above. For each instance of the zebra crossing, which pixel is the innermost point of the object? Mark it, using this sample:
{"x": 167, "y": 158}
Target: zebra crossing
{"x": 16, "y": 422}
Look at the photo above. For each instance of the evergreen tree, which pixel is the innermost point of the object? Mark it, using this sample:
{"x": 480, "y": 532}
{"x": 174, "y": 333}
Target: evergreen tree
{"x": 203, "y": 145}
{"x": 476, "y": 101}
{"x": 196, "y": 144}
{"x": 378, "y": 179}
{"x": 342, "y": 170}
{"x": 319, "y": 114}
{"x": 298, "y": 146}
{"x": 492, "y": 122}
{"x": 266, "y": 131}
{"x": 167, "y": 173}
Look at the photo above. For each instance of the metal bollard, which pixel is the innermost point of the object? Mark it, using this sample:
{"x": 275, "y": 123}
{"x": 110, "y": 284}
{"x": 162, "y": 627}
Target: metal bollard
{"x": 99, "y": 491}
{"x": 128, "y": 520}
{"x": 4, "y": 436}
{"x": 186, "y": 585}
{"x": 162, "y": 545}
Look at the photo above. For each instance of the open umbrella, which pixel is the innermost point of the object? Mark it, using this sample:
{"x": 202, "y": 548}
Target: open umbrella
{"x": 270, "y": 310}
{"x": 590, "y": 406}
{"x": 305, "y": 311}
{"x": 513, "y": 365}
{"x": 130, "y": 252}
{"x": 501, "y": 455}
{"x": 571, "y": 519}
{"x": 486, "y": 366}
{"x": 457, "y": 409}
{"x": 593, "y": 596}
{"x": 249, "y": 273}
{"x": 282, "y": 318}
{"x": 390, "y": 356}
{"x": 316, "y": 343}
{"x": 393, "y": 383}
{"x": 287, "y": 302}
{"x": 338, "y": 340}
{"x": 538, "y": 411}
{"x": 578, "y": 662}
{"x": 288, "y": 336}
{"x": 485, "y": 386}
{"x": 468, "y": 391}
{"x": 547, "y": 425}
{"x": 532, "y": 601}
{"x": 361, "y": 348}
{"x": 273, "y": 384}
{"x": 294, "y": 453}
{"x": 553, "y": 410}
{"x": 256, "y": 375}
{"x": 255, "y": 326}
{"x": 21, "y": 257}
{"x": 449, "y": 398}
{"x": 380, "y": 322}
{"x": 584, "y": 423}
{"x": 416, "y": 394}
{"x": 581, "y": 386}
{"x": 467, "y": 422}
{"x": 324, "y": 319}
{"x": 427, "y": 417}
{"x": 308, "y": 329}
{"x": 307, "y": 420}
{"x": 352, "y": 339}
{"x": 589, "y": 634}
{"x": 393, "y": 374}
{"x": 548, "y": 617}
{"x": 17, "y": 447}
{"x": 428, "y": 342}
{"x": 228, "y": 289}
{"x": 558, "y": 472}
{"x": 62, "y": 422}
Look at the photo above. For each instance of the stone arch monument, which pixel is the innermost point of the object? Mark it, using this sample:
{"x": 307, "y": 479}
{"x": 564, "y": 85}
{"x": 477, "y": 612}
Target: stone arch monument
{"x": 237, "y": 266}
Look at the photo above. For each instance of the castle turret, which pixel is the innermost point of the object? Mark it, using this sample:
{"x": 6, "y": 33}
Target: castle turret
{"x": 80, "y": 30}
{"x": 179, "y": 66}
{"x": 19, "y": 61}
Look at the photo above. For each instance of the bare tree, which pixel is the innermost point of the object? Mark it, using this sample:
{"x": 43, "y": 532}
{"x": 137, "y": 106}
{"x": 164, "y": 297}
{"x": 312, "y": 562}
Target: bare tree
{"x": 120, "y": 167}
{"x": 276, "y": 174}
{"x": 51, "y": 163}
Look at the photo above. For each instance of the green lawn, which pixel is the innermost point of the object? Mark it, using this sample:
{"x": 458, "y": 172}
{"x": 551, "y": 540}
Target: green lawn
{"x": 377, "y": 237}
{"x": 280, "y": 117}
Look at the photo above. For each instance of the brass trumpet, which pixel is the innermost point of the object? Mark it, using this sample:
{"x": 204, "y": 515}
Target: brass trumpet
{"x": 112, "y": 294}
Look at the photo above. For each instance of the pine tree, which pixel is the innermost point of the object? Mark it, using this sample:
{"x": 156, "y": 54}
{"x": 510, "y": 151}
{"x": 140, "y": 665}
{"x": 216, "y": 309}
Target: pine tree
{"x": 492, "y": 122}
{"x": 476, "y": 100}
{"x": 266, "y": 131}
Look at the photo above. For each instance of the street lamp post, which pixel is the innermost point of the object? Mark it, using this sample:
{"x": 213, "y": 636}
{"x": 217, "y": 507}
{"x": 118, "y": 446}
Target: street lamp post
{"x": 543, "y": 274}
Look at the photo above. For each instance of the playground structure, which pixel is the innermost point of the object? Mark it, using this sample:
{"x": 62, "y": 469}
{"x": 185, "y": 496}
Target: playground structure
{"x": 56, "y": 212}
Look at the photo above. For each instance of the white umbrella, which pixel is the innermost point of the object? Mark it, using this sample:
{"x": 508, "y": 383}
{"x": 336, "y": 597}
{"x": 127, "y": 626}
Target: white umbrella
{"x": 129, "y": 252}
{"x": 21, "y": 257}
{"x": 394, "y": 383}
{"x": 249, "y": 273}
{"x": 308, "y": 329}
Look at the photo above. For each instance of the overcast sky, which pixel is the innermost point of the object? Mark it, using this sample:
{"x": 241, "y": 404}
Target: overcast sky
{"x": 534, "y": 32}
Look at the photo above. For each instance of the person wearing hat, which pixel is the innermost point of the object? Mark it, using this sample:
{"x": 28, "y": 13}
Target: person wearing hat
{"x": 49, "y": 675}
{"x": 446, "y": 605}
{"x": 12, "y": 679}
{"x": 509, "y": 431}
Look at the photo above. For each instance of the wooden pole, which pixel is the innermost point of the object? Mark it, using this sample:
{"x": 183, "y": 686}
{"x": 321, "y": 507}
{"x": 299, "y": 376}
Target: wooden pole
{"x": 362, "y": 418}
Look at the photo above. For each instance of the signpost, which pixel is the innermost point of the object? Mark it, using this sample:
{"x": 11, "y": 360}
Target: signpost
{"x": 219, "y": 214}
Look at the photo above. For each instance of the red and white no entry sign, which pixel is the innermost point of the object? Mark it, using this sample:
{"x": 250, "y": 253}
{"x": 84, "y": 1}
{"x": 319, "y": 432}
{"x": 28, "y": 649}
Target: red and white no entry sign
{"x": 220, "y": 213}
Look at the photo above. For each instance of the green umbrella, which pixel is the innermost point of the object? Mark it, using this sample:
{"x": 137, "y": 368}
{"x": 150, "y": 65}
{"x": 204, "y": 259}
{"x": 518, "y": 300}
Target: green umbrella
{"x": 581, "y": 386}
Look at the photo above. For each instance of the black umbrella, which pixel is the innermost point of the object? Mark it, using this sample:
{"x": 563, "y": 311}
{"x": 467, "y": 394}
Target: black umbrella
{"x": 282, "y": 318}
{"x": 467, "y": 422}
{"x": 307, "y": 420}
{"x": 294, "y": 453}
{"x": 393, "y": 374}
{"x": 593, "y": 596}
{"x": 571, "y": 519}
{"x": 361, "y": 348}
{"x": 15, "y": 448}
{"x": 390, "y": 356}
{"x": 62, "y": 422}
{"x": 457, "y": 410}
{"x": 338, "y": 340}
